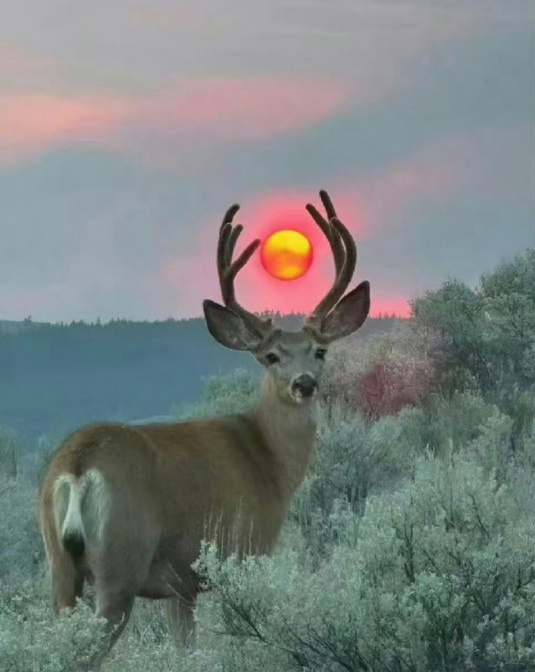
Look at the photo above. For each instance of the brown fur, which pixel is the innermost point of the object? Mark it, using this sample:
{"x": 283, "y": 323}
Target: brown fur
{"x": 167, "y": 487}
{"x": 127, "y": 507}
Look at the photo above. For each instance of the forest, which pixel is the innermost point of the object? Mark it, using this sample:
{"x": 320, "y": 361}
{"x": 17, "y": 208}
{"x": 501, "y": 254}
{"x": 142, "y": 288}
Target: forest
{"x": 410, "y": 546}
{"x": 56, "y": 377}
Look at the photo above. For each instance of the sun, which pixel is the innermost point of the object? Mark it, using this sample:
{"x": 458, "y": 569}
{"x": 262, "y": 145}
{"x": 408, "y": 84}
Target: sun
{"x": 286, "y": 254}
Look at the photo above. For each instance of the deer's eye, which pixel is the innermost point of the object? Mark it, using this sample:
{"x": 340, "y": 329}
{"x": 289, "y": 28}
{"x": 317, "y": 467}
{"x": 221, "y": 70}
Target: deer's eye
{"x": 272, "y": 358}
{"x": 320, "y": 353}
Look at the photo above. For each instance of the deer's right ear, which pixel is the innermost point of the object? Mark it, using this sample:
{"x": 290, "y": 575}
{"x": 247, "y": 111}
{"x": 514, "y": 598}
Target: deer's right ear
{"x": 348, "y": 315}
{"x": 228, "y": 328}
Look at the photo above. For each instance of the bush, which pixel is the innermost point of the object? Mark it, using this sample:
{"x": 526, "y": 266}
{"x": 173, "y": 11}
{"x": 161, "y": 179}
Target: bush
{"x": 456, "y": 313}
{"x": 10, "y": 449}
{"x": 447, "y": 424}
{"x": 31, "y": 640}
{"x": 356, "y": 457}
{"x": 222, "y": 395}
{"x": 440, "y": 577}
{"x": 21, "y": 547}
{"x": 410, "y": 545}
{"x": 487, "y": 334}
{"x": 509, "y": 300}
{"x": 383, "y": 376}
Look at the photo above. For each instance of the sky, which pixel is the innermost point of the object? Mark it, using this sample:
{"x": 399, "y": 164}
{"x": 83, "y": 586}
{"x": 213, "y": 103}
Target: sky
{"x": 128, "y": 128}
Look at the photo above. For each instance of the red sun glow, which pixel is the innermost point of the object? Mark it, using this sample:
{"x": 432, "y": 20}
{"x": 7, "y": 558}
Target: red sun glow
{"x": 286, "y": 254}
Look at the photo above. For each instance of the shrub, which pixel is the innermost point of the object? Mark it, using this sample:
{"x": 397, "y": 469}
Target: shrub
{"x": 386, "y": 374}
{"x": 487, "y": 334}
{"x": 10, "y": 448}
{"x": 356, "y": 457}
{"x": 456, "y": 313}
{"x": 440, "y": 577}
{"x": 21, "y": 548}
{"x": 446, "y": 424}
{"x": 509, "y": 301}
{"x": 222, "y": 395}
{"x": 31, "y": 640}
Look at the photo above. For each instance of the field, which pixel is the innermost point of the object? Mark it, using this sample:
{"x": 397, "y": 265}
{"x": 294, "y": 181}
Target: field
{"x": 410, "y": 546}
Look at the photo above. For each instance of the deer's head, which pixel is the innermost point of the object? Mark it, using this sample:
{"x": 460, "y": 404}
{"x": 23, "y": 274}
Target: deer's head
{"x": 293, "y": 360}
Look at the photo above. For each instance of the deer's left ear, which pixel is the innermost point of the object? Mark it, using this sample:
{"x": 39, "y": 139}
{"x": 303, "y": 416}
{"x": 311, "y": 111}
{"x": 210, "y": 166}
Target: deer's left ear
{"x": 348, "y": 315}
{"x": 228, "y": 328}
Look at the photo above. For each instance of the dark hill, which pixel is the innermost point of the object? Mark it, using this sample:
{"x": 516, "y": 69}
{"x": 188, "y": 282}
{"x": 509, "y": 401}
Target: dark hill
{"x": 54, "y": 377}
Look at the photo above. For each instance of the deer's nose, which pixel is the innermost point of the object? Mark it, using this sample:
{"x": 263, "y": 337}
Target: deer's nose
{"x": 305, "y": 384}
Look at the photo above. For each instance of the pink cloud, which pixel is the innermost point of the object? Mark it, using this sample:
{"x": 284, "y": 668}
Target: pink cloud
{"x": 30, "y": 123}
{"x": 436, "y": 172}
{"x": 216, "y": 111}
{"x": 440, "y": 170}
{"x": 247, "y": 109}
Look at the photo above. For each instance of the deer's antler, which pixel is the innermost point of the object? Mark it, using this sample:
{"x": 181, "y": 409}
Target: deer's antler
{"x": 345, "y": 259}
{"x": 228, "y": 269}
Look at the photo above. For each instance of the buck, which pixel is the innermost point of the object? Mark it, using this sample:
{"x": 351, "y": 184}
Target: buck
{"x": 126, "y": 507}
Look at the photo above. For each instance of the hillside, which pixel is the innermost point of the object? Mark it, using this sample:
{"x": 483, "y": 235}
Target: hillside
{"x": 54, "y": 377}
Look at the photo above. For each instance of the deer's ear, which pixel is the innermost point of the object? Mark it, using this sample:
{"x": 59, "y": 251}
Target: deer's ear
{"x": 348, "y": 315}
{"x": 228, "y": 328}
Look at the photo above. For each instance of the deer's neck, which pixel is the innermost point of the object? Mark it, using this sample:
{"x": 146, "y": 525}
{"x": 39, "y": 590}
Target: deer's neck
{"x": 289, "y": 431}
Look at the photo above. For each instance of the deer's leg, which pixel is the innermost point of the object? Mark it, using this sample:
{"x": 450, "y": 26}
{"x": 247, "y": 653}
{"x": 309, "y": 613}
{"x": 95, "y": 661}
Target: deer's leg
{"x": 119, "y": 573}
{"x": 67, "y": 582}
{"x": 181, "y": 621}
{"x": 116, "y": 608}
{"x": 67, "y": 579}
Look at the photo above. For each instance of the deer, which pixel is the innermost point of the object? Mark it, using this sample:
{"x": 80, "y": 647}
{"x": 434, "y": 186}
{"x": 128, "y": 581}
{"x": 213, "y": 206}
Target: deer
{"x": 127, "y": 507}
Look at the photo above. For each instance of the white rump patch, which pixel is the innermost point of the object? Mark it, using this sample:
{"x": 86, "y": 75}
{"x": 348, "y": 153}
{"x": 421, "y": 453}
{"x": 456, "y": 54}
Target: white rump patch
{"x": 81, "y": 505}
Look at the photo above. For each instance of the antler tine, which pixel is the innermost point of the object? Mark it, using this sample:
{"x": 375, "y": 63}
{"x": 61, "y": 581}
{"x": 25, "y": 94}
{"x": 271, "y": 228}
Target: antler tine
{"x": 228, "y": 269}
{"x": 334, "y": 240}
{"x": 344, "y": 252}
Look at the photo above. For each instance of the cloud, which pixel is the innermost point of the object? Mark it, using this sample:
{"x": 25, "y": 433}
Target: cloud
{"x": 379, "y": 211}
{"x": 444, "y": 168}
{"x": 142, "y": 46}
{"x": 183, "y": 70}
{"x": 32, "y": 123}
{"x": 196, "y": 112}
{"x": 453, "y": 207}
{"x": 407, "y": 111}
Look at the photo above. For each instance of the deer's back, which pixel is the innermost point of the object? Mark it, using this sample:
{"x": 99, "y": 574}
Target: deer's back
{"x": 194, "y": 479}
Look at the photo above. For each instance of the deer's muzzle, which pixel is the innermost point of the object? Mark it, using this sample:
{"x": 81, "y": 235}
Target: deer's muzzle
{"x": 304, "y": 385}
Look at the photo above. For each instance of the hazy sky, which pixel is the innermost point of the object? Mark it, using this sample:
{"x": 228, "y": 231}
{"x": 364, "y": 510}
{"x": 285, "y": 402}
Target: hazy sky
{"x": 127, "y": 128}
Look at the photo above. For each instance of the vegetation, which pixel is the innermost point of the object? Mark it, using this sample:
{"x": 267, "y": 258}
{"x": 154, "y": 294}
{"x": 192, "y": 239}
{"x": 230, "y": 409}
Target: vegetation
{"x": 410, "y": 546}
{"x": 56, "y": 377}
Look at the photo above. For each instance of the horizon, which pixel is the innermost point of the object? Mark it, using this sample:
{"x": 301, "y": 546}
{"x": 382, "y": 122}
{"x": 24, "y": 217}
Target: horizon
{"x": 99, "y": 322}
{"x": 119, "y": 154}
